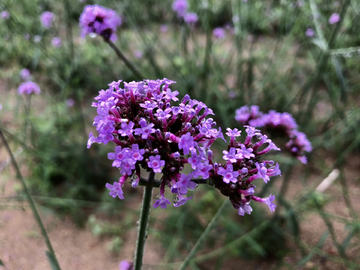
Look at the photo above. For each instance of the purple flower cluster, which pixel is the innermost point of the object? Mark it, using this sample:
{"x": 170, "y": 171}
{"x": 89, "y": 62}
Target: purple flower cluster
{"x": 181, "y": 8}
{"x": 28, "y": 88}
{"x": 334, "y": 18}
{"x": 56, "y": 42}
{"x": 281, "y": 123}
{"x": 25, "y": 74}
{"x": 219, "y": 33}
{"x": 5, "y": 14}
{"x": 99, "y": 20}
{"x": 155, "y": 131}
{"x": 47, "y": 19}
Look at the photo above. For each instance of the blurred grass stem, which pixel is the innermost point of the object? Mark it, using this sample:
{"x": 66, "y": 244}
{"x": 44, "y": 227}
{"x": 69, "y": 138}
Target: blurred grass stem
{"x": 202, "y": 238}
{"x": 123, "y": 58}
{"x": 31, "y": 203}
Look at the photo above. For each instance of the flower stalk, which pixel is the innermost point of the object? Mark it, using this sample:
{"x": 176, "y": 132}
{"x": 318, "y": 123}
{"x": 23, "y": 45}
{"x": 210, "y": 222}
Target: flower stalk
{"x": 54, "y": 261}
{"x": 143, "y": 223}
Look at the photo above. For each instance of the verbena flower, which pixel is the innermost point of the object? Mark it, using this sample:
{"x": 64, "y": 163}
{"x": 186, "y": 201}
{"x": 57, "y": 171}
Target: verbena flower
{"x": 47, "y": 19}
{"x": 5, "y": 14}
{"x": 180, "y": 7}
{"x": 25, "y": 74}
{"x": 219, "y": 33}
{"x": 56, "y": 42}
{"x": 334, "y": 18}
{"x": 126, "y": 265}
{"x": 310, "y": 32}
{"x": 190, "y": 18}
{"x": 99, "y": 20}
{"x": 28, "y": 88}
{"x": 279, "y": 123}
{"x": 153, "y": 130}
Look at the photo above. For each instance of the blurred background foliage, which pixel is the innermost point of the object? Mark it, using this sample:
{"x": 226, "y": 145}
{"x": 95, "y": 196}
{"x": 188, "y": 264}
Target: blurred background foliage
{"x": 266, "y": 59}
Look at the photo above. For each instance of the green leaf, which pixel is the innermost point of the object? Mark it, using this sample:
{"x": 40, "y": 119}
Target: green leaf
{"x": 1, "y": 263}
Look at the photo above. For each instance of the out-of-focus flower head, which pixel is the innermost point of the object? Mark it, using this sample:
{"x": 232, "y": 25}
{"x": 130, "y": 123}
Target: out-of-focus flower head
{"x": 163, "y": 28}
{"x": 310, "y": 32}
{"x": 56, "y": 42}
{"x": 282, "y": 124}
{"x": 219, "y": 33}
{"x": 154, "y": 130}
{"x": 99, "y": 20}
{"x": 70, "y": 102}
{"x": 180, "y": 7}
{"x": 126, "y": 265}
{"x": 138, "y": 54}
{"x": 5, "y": 14}
{"x": 25, "y": 74}
{"x": 334, "y": 18}
{"x": 298, "y": 145}
{"x": 47, "y": 19}
{"x": 249, "y": 115}
{"x": 190, "y": 18}
{"x": 28, "y": 88}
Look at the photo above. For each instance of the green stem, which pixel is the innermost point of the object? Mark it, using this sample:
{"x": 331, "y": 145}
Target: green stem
{"x": 204, "y": 235}
{"x": 31, "y": 203}
{"x": 143, "y": 223}
{"x": 126, "y": 62}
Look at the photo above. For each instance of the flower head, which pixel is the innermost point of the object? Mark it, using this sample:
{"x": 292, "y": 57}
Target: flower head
{"x": 180, "y": 7}
{"x": 5, "y": 14}
{"x": 25, "y": 74}
{"x": 334, "y": 18}
{"x": 99, "y": 20}
{"x": 56, "y": 42}
{"x": 310, "y": 32}
{"x": 190, "y": 18}
{"x": 219, "y": 33}
{"x": 28, "y": 88}
{"x": 47, "y": 19}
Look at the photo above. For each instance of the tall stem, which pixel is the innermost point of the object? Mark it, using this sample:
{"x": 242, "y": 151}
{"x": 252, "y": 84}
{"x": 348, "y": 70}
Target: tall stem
{"x": 143, "y": 223}
{"x": 202, "y": 238}
{"x": 123, "y": 58}
{"x": 32, "y": 204}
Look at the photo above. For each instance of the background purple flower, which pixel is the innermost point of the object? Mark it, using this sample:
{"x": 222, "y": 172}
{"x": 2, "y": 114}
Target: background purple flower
{"x": 190, "y": 18}
{"x": 47, "y": 19}
{"x": 334, "y": 18}
{"x": 310, "y": 32}
{"x": 28, "y": 88}
{"x": 99, "y": 20}
{"x": 56, "y": 42}
{"x": 25, "y": 74}
{"x": 219, "y": 33}
{"x": 180, "y": 7}
{"x": 5, "y": 14}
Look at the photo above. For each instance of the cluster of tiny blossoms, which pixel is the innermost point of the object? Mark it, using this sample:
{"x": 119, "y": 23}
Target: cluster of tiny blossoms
{"x": 181, "y": 9}
{"x": 152, "y": 129}
{"x": 27, "y": 87}
{"x": 281, "y": 123}
{"x": 99, "y": 20}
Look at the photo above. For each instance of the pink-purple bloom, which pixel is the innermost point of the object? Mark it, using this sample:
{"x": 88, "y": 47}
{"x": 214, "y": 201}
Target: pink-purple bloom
{"x": 99, "y": 20}
{"x": 156, "y": 132}
{"x": 28, "y": 88}
{"x": 47, "y": 18}
{"x": 190, "y": 18}
{"x": 126, "y": 265}
{"x": 5, "y": 14}
{"x": 334, "y": 18}
{"x": 180, "y": 7}
{"x": 25, "y": 74}
{"x": 310, "y": 32}
{"x": 56, "y": 42}
{"x": 219, "y": 33}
